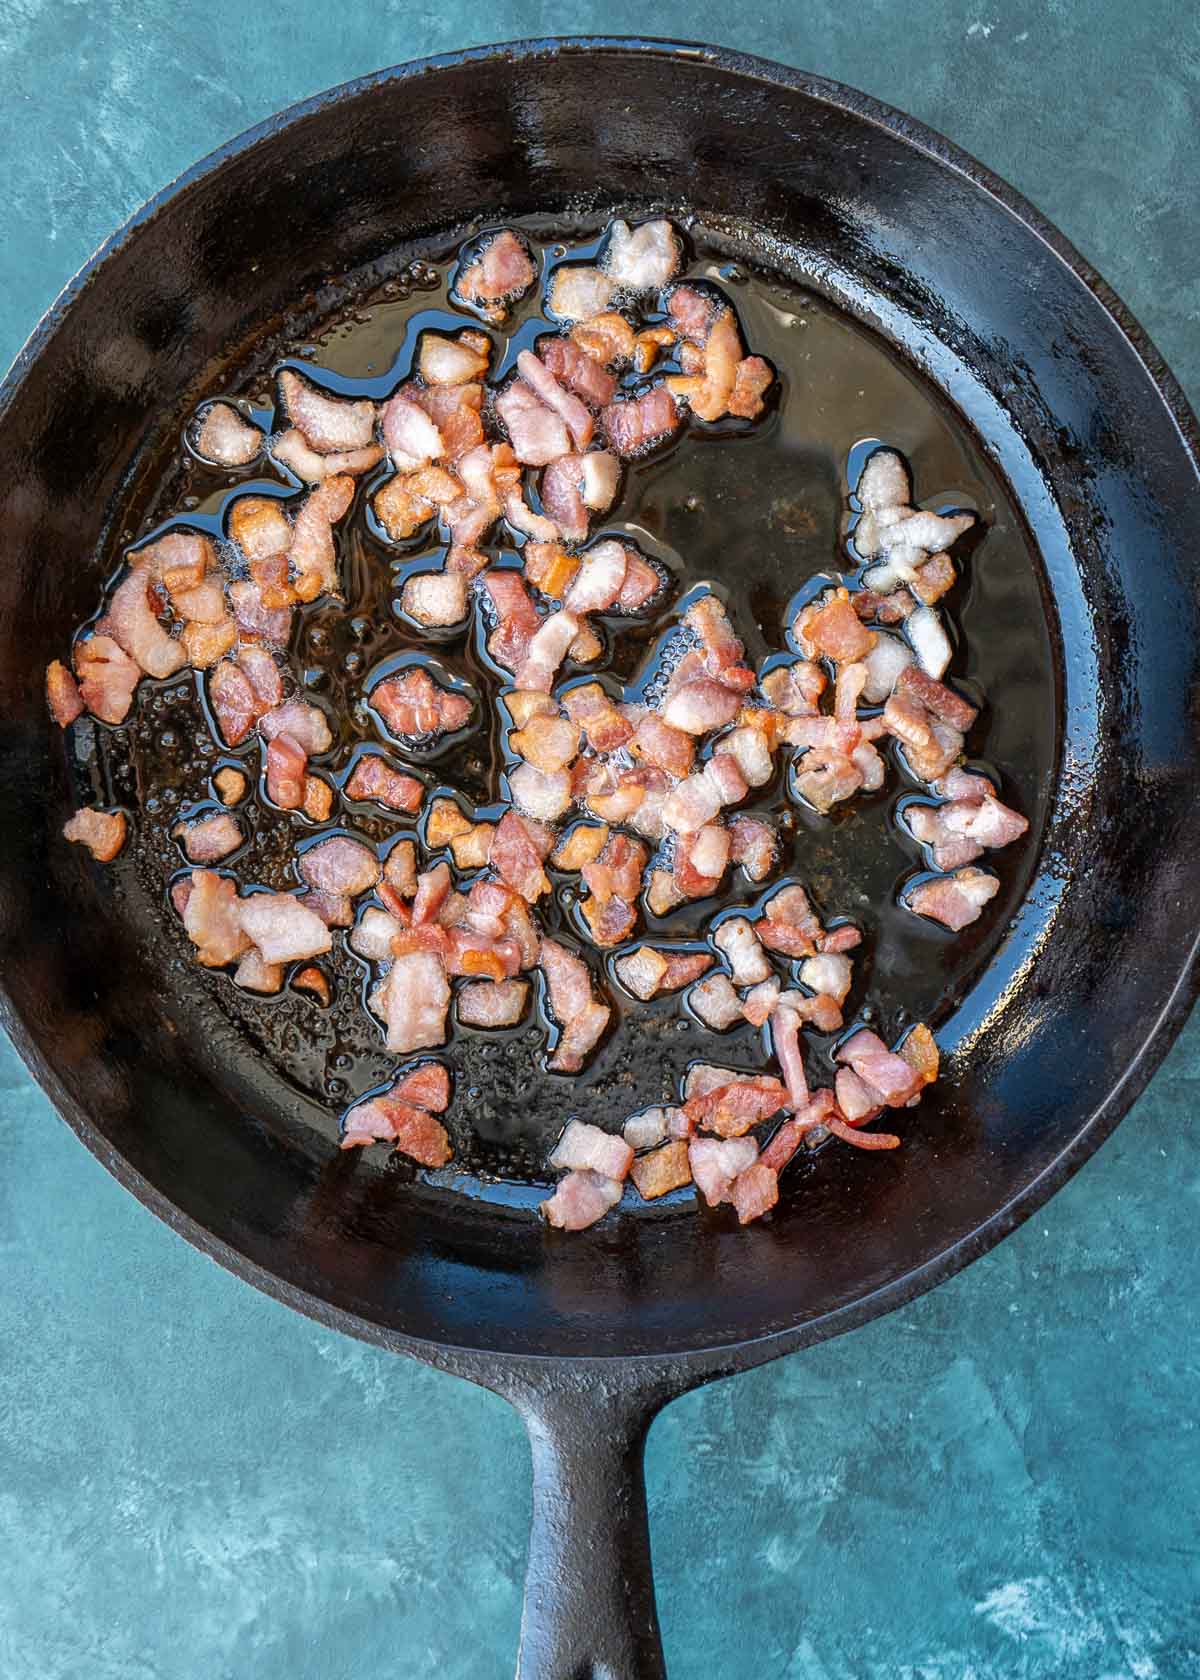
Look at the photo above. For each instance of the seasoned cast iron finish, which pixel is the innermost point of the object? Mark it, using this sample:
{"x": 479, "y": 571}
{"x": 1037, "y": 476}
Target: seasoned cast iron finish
{"x": 1052, "y": 1043}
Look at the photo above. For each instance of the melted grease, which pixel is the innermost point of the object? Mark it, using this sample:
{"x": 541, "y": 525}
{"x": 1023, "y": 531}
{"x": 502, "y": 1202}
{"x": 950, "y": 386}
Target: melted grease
{"x": 759, "y": 513}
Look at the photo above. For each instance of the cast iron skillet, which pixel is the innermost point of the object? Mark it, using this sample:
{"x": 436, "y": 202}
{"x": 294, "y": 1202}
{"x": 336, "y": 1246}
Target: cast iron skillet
{"x": 1054, "y": 1041}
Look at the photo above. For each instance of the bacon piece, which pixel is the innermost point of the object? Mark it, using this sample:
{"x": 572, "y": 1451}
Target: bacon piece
{"x": 287, "y": 766}
{"x": 203, "y": 603}
{"x": 544, "y": 532}
{"x": 577, "y": 293}
{"x": 789, "y": 925}
{"x": 834, "y": 629}
{"x": 617, "y": 872}
{"x": 642, "y": 583}
{"x": 761, "y": 1001}
{"x": 411, "y": 703}
{"x": 455, "y": 411}
{"x": 226, "y": 439}
{"x": 642, "y": 971}
{"x": 373, "y": 934}
{"x": 792, "y": 1133}
{"x": 830, "y": 973}
{"x": 708, "y": 854}
{"x": 312, "y": 553}
{"x": 230, "y": 785}
{"x": 796, "y": 688}
{"x": 737, "y": 940}
{"x": 234, "y": 701}
{"x": 542, "y": 382}
{"x": 549, "y": 567}
{"x": 210, "y": 839}
{"x": 259, "y": 526}
{"x": 920, "y": 1051}
{"x": 658, "y": 743}
{"x": 752, "y": 379}
{"x": 444, "y": 821}
{"x": 879, "y": 1068}
{"x": 586, "y": 1148}
{"x": 861, "y": 1140}
{"x": 400, "y": 868}
{"x": 413, "y": 1131}
{"x": 716, "y": 1003}
{"x": 579, "y": 372}
{"x": 548, "y": 743}
{"x": 580, "y": 1200}
{"x": 433, "y": 889}
{"x": 562, "y": 496}
{"x": 254, "y": 975}
{"x": 691, "y": 312}
{"x": 62, "y": 694}
{"x": 750, "y": 751}
{"x": 410, "y": 435}
{"x": 412, "y": 1000}
{"x": 374, "y": 778}
{"x": 492, "y": 1003}
{"x": 754, "y": 1192}
{"x": 473, "y": 848}
{"x": 328, "y": 423}
{"x": 642, "y": 259}
{"x": 539, "y": 793}
{"x": 636, "y": 424}
{"x": 700, "y": 706}
{"x": 133, "y": 624}
{"x": 932, "y": 580}
{"x": 583, "y": 844}
{"x": 284, "y": 929}
{"x": 753, "y": 844}
{"x": 590, "y": 707}
{"x": 730, "y": 1110}
{"x": 518, "y": 618}
{"x": 399, "y": 509}
{"x": 935, "y": 697}
{"x": 254, "y": 618}
{"x": 600, "y": 578}
{"x": 292, "y": 452}
{"x": 888, "y": 609}
{"x": 102, "y": 832}
{"x": 210, "y": 912}
{"x": 517, "y": 857}
{"x": 537, "y": 433}
{"x": 663, "y": 894}
{"x": 340, "y": 865}
{"x": 662, "y": 1171}
{"x": 716, "y": 1163}
{"x": 548, "y": 647}
{"x": 500, "y": 273}
{"x": 442, "y": 360}
{"x": 785, "y": 1041}
{"x": 607, "y": 338}
{"x": 334, "y": 909}
{"x": 954, "y": 900}
{"x": 648, "y": 1128}
{"x": 582, "y": 1017}
{"x": 300, "y": 719}
{"x": 316, "y": 981}
{"x": 205, "y": 644}
{"x": 708, "y": 394}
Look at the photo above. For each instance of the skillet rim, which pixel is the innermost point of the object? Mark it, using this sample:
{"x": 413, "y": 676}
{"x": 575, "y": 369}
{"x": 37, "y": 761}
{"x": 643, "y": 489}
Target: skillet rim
{"x": 680, "y": 1369}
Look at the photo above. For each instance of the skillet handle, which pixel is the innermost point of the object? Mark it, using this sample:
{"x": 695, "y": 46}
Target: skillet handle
{"x": 589, "y": 1589}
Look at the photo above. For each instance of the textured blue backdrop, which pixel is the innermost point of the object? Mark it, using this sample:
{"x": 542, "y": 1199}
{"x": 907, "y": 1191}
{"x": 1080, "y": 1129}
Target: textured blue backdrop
{"x": 999, "y": 1483}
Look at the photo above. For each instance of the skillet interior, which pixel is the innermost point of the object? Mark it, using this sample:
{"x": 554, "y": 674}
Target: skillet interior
{"x": 1069, "y": 414}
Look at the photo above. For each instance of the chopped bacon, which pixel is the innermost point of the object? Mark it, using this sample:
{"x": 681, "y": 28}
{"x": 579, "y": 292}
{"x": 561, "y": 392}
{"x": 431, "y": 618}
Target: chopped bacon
{"x": 373, "y": 934}
{"x": 102, "y": 832}
{"x": 861, "y": 1140}
{"x": 411, "y": 703}
{"x": 635, "y": 424}
{"x": 287, "y": 767}
{"x": 230, "y": 785}
{"x": 312, "y": 553}
{"x": 646, "y": 972}
{"x": 577, "y": 370}
{"x": 795, "y": 688}
{"x": 731, "y": 1110}
{"x": 753, "y": 844}
{"x": 254, "y": 618}
{"x": 642, "y": 259}
{"x": 455, "y": 411}
{"x": 374, "y": 778}
{"x": 607, "y": 338}
{"x": 888, "y": 609}
{"x": 291, "y": 451}
{"x": 284, "y": 929}
{"x": 388, "y": 1118}
{"x": 610, "y": 920}
{"x": 931, "y": 581}
{"x": 945, "y": 705}
{"x": 752, "y": 379}
{"x": 548, "y": 647}
{"x": 716, "y": 1003}
{"x": 954, "y": 900}
{"x": 879, "y": 1068}
{"x": 517, "y": 857}
{"x": 662, "y": 1171}
{"x": 448, "y": 361}
{"x": 433, "y": 889}
{"x": 400, "y": 868}
{"x": 717, "y": 1162}
{"x": 617, "y": 872}
{"x": 792, "y": 1132}
{"x": 62, "y": 694}
{"x": 580, "y": 1200}
{"x": 409, "y": 433}
{"x": 649, "y": 1127}
{"x": 569, "y": 988}
{"x": 304, "y": 722}
{"x": 226, "y": 439}
{"x": 492, "y": 1003}
{"x": 785, "y": 1041}
{"x": 577, "y": 293}
{"x": 754, "y": 1192}
{"x": 107, "y": 677}
{"x": 600, "y": 579}
{"x": 590, "y": 707}
{"x": 340, "y": 865}
{"x": 920, "y": 1051}
{"x": 789, "y": 925}
{"x": 658, "y": 743}
{"x": 548, "y": 743}
{"x": 132, "y": 622}
{"x": 203, "y": 603}
{"x": 538, "y": 434}
{"x": 259, "y": 526}
{"x": 562, "y": 496}
{"x": 334, "y": 909}
{"x": 737, "y": 939}
{"x": 545, "y": 386}
{"x": 761, "y": 1002}
{"x": 702, "y": 705}
{"x": 708, "y": 392}
{"x": 316, "y": 981}
{"x": 518, "y": 618}
{"x": 543, "y": 532}
{"x": 642, "y": 583}
{"x": 583, "y": 1147}
{"x": 254, "y": 975}
{"x": 234, "y": 701}
{"x": 499, "y": 275}
{"x": 691, "y": 312}
{"x": 210, "y": 839}
{"x": 549, "y": 567}
{"x": 210, "y": 912}
{"x": 540, "y": 793}
{"x": 399, "y": 509}
{"x": 328, "y": 423}
{"x": 834, "y": 629}
{"x": 858, "y": 1101}
{"x": 204, "y": 644}
{"x": 830, "y": 973}
{"x": 413, "y": 1000}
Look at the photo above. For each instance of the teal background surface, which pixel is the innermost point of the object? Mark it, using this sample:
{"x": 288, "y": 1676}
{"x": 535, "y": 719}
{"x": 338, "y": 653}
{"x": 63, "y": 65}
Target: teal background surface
{"x": 999, "y": 1482}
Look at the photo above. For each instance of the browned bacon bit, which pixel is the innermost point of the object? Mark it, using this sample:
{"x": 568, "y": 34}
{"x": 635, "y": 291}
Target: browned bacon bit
{"x": 102, "y": 832}
{"x": 452, "y": 361}
{"x": 580, "y": 1200}
{"x": 581, "y": 1016}
{"x": 518, "y": 853}
{"x": 402, "y": 1115}
{"x": 753, "y": 844}
{"x": 731, "y": 1110}
{"x": 435, "y": 599}
{"x": 752, "y": 379}
{"x": 717, "y": 1162}
{"x": 590, "y": 707}
{"x": 795, "y": 689}
{"x": 443, "y": 823}
{"x": 610, "y": 920}
{"x": 132, "y": 622}
{"x": 548, "y": 647}
{"x": 691, "y": 313}
{"x": 542, "y": 382}
{"x": 586, "y": 1148}
{"x": 646, "y": 972}
{"x": 662, "y": 1170}
{"x": 501, "y": 273}
{"x": 230, "y": 785}
{"x": 226, "y": 438}
{"x": 107, "y": 677}
{"x": 945, "y": 705}
{"x": 518, "y": 618}
{"x": 861, "y": 1140}
{"x": 264, "y": 678}
{"x": 878, "y": 1067}
{"x": 411, "y": 703}
{"x": 857, "y": 1100}
{"x": 204, "y": 644}
{"x": 399, "y": 510}
{"x": 789, "y": 925}
{"x": 300, "y": 719}
{"x": 312, "y": 554}
{"x": 562, "y": 496}
{"x": 259, "y": 526}
{"x": 920, "y": 1051}
{"x": 635, "y": 424}
{"x": 548, "y": 743}
{"x": 411, "y": 437}
{"x": 256, "y": 620}
{"x": 716, "y": 1003}
{"x": 701, "y": 860}
{"x": 582, "y": 844}
{"x": 374, "y": 778}
{"x": 62, "y": 694}
{"x": 617, "y": 872}
{"x": 328, "y": 423}
{"x": 210, "y": 912}
{"x": 954, "y": 900}
{"x": 433, "y": 889}
{"x": 647, "y": 345}
{"x": 291, "y": 451}
{"x": 658, "y": 743}
{"x": 210, "y": 839}
{"x": 931, "y": 581}
{"x": 549, "y": 567}
{"x": 754, "y": 1192}
{"x": 316, "y": 981}
{"x": 456, "y": 412}
{"x": 254, "y": 975}
{"x": 888, "y": 609}
{"x": 833, "y": 628}
{"x": 234, "y": 701}
{"x": 607, "y": 338}
{"x": 287, "y": 767}
{"x": 473, "y": 848}
{"x": 708, "y": 391}
{"x": 792, "y": 1133}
